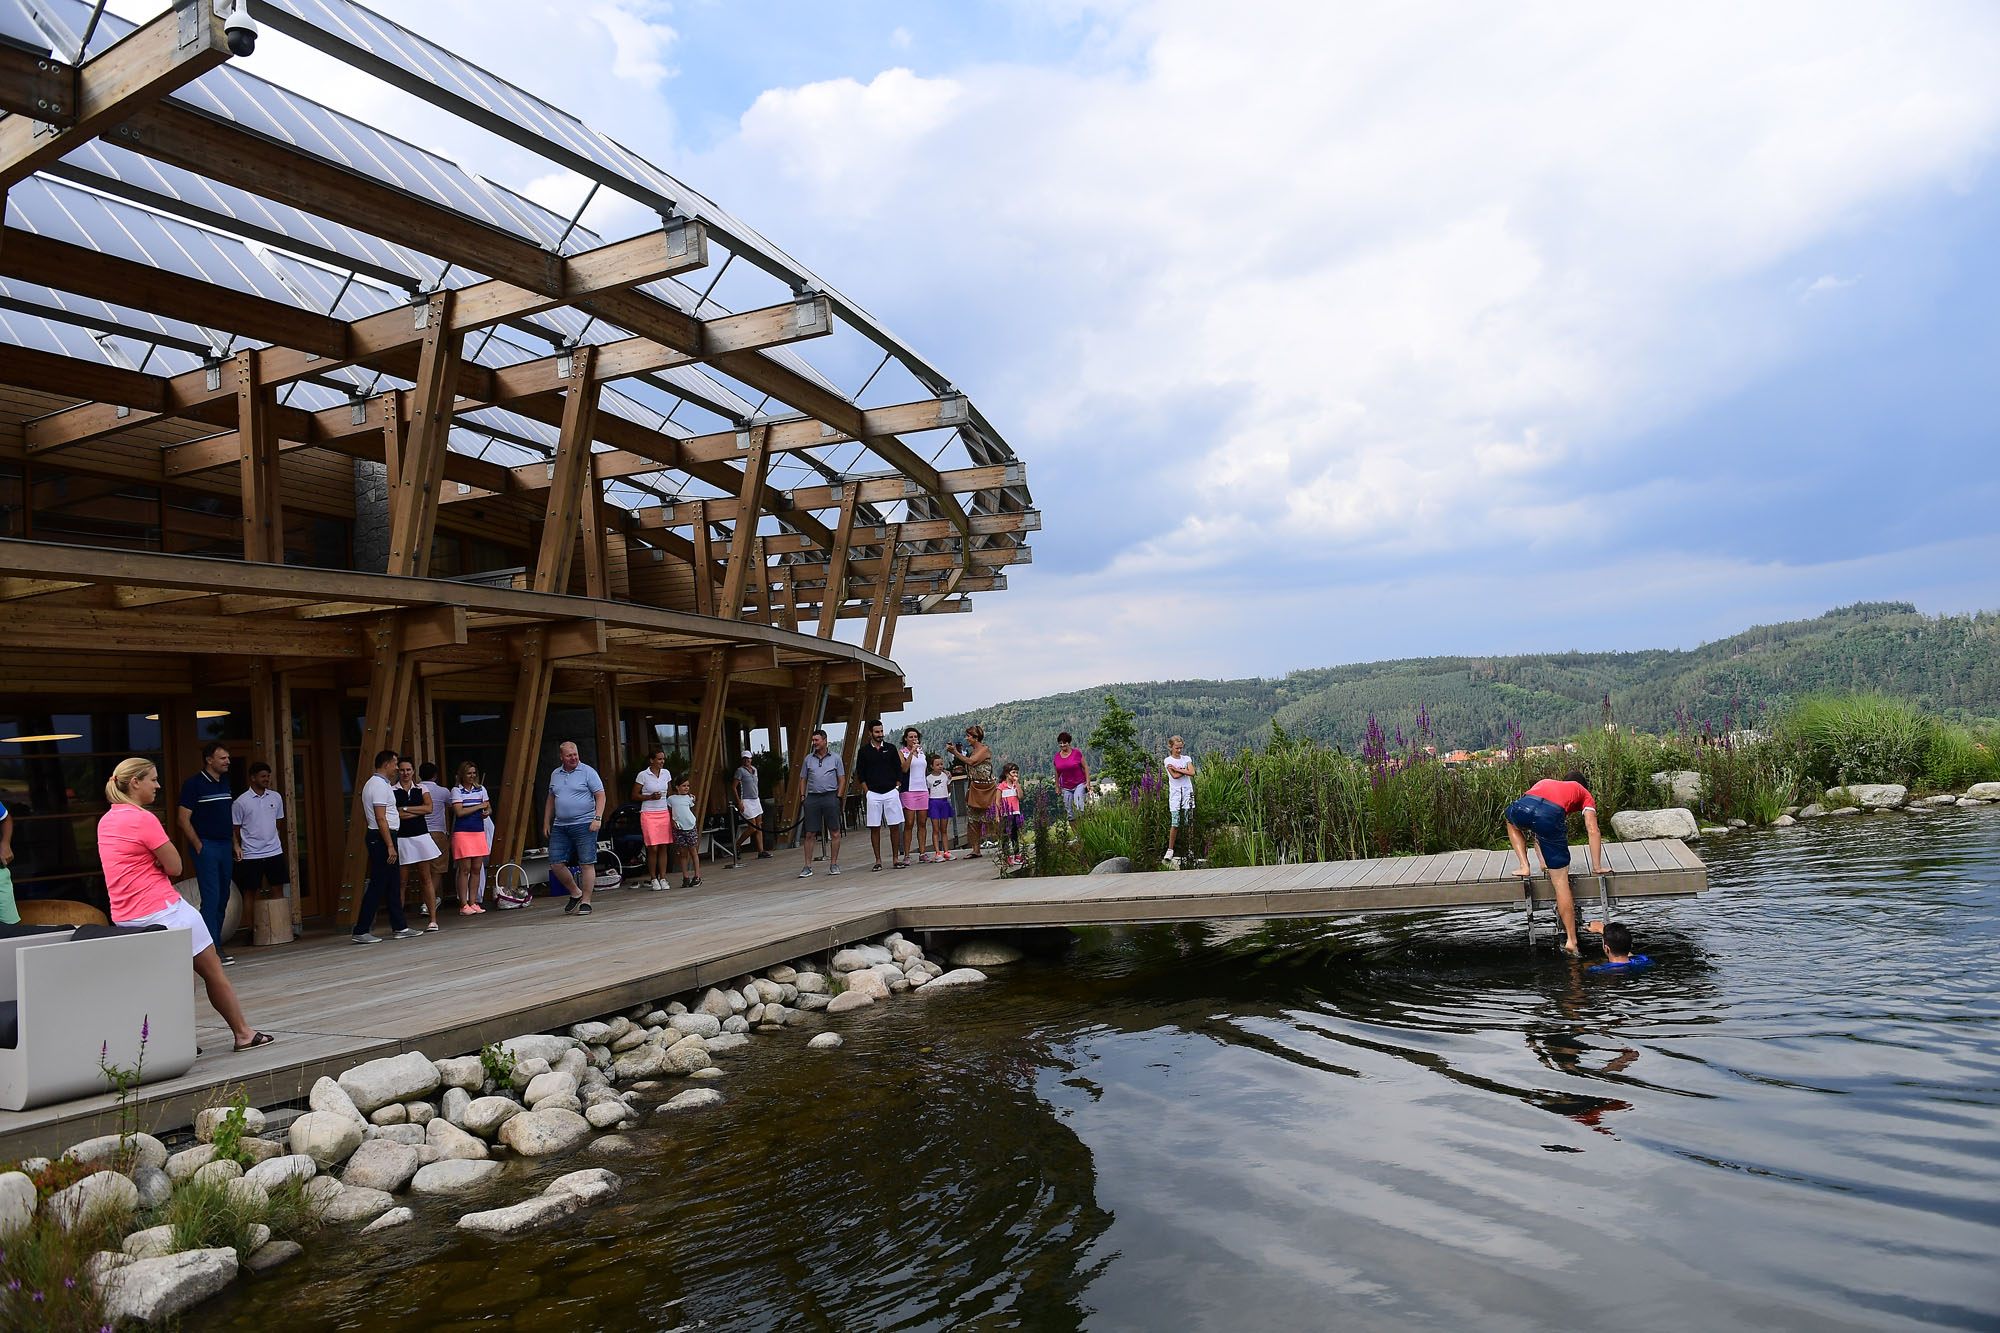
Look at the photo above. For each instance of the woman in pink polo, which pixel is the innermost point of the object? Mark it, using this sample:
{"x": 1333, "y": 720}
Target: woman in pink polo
{"x": 139, "y": 864}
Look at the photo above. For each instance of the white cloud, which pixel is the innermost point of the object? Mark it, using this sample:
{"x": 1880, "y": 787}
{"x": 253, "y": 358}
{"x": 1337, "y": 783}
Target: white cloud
{"x": 639, "y": 44}
{"x": 1824, "y": 283}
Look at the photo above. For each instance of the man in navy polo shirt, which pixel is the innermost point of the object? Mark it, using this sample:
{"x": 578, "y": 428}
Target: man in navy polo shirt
{"x": 204, "y": 821}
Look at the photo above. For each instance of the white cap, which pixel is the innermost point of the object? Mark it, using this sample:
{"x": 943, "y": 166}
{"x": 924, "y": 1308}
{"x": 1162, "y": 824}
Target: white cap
{"x": 748, "y": 755}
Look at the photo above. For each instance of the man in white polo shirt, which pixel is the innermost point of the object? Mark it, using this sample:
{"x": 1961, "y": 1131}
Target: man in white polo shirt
{"x": 258, "y": 817}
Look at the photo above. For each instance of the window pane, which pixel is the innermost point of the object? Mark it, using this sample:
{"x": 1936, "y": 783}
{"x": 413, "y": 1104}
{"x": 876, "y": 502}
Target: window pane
{"x": 93, "y": 511}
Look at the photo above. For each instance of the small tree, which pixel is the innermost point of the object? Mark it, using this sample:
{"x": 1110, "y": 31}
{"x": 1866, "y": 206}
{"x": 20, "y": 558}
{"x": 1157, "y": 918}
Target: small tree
{"x": 1116, "y": 740}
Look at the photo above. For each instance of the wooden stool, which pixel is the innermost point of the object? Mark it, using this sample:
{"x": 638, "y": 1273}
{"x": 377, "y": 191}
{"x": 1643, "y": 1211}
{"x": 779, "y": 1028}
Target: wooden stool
{"x": 271, "y": 921}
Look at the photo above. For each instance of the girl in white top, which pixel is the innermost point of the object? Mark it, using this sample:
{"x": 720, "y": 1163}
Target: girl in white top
{"x": 652, "y": 788}
{"x": 937, "y": 785}
{"x": 1180, "y": 789}
{"x": 687, "y": 833}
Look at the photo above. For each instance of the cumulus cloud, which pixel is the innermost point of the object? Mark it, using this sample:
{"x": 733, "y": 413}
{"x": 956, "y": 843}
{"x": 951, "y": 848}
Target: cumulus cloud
{"x": 639, "y": 44}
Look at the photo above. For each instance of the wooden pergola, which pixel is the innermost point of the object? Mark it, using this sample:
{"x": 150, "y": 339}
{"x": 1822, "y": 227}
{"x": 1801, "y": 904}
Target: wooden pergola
{"x": 214, "y": 287}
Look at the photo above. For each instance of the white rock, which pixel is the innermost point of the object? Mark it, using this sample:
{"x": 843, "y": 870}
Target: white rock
{"x": 102, "y": 1152}
{"x": 694, "y": 1099}
{"x": 919, "y": 978}
{"x": 826, "y": 1041}
{"x": 99, "y": 1194}
{"x": 1872, "y": 795}
{"x": 1686, "y": 785}
{"x": 627, "y": 1040}
{"x": 409, "y": 1134}
{"x": 1783, "y": 821}
{"x": 776, "y": 1015}
{"x": 1636, "y": 825}
{"x": 274, "y": 1173}
{"x": 453, "y": 1105}
{"x": 1844, "y": 810}
{"x": 904, "y": 950}
{"x": 738, "y": 1001}
{"x": 932, "y": 969}
{"x": 209, "y": 1119}
{"x": 523, "y": 1216}
{"x": 452, "y": 1143}
{"x": 485, "y": 1115}
{"x": 591, "y": 1185}
{"x": 18, "y": 1202}
{"x": 890, "y": 973}
{"x": 100, "y": 1265}
{"x": 355, "y": 1204}
{"x": 958, "y": 976}
{"x": 676, "y": 1007}
{"x": 218, "y": 1170}
{"x": 713, "y": 1071}
{"x": 696, "y": 1025}
{"x": 256, "y": 1236}
{"x": 616, "y": 1145}
{"x": 846, "y": 1001}
{"x": 528, "y": 1070}
{"x": 788, "y": 993}
{"x": 850, "y": 960}
{"x": 1984, "y": 791}
{"x": 322, "y": 1190}
{"x": 152, "y": 1243}
{"x": 810, "y": 983}
{"x": 395, "y": 1217}
{"x": 914, "y": 967}
{"x": 552, "y": 1084}
{"x": 575, "y": 1062}
{"x": 1714, "y": 830}
{"x": 454, "y": 1175}
{"x": 537, "y": 1046}
{"x": 649, "y": 1061}
{"x": 754, "y": 1014}
{"x": 726, "y": 1042}
{"x": 248, "y": 1195}
{"x": 541, "y": 1133}
{"x": 1813, "y": 811}
{"x": 327, "y": 1095}
{"x": 381, "y": 1165}
{"x": 867, "y": 981}
{"x": 420, "y": 1113}
{"x": 465, "y": 1072}
{"x": 1967, "y": 802}
{"x": 396, "y": 1078}
{"x": 783, "y": 973}
{"x": 736, "y": 1023}
{"x": 560, "y": 1102}
{"x": 392, "y": 1114}
{"x": 605, "y": 1115}
{"x": 590, "y": 1033}
{"x": 767, "y": 991}
{"x": 151, "y": 1290}
{"x": 715, "y": 1003}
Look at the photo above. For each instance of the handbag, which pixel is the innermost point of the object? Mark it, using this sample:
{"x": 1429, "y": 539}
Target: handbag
{"x": 980, "y": 795}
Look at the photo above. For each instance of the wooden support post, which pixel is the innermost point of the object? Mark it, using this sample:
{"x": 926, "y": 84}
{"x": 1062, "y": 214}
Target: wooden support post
{"x": 857, "y": 717}
{"x": 288, "y": 789}
{"x": 413, "y": 490}
{"x": 834, "y": 593}
{"x": 887, "y": 638}
{"x": 743, "y": 547}
{"x": 391, "y": 676}
{"x": 707, "y": 759}
{"x": 257, "y": 463}
{"x": 572, "y": 473}
{"x": 787, "y": 600}
{"x": 757, "y": 602}
{"x": 704, "y": 565}
{"x": 610, "y": 756}
{"x": 878, "y": 606}
{"x": 596, "y": 561}
{"x": 514, "y": 809}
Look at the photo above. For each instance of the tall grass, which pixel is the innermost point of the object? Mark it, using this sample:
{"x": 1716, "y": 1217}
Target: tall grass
{"x": 1299, "y": 800}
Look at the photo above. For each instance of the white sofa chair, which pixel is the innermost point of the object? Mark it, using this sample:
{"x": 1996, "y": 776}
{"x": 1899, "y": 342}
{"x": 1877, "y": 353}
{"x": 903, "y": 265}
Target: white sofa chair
{"x": 74, "y": 1000}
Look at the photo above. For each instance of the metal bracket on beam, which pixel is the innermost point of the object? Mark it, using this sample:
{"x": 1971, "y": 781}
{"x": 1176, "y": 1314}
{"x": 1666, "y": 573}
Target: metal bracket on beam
{"x": 1031, "y": 520}
{"x": 807, "y": 314}
{"x": 1017, "y": 474}
{"x": 190, "y": 23}
{"x": 357, "y": 412}
{"x": 743, "y": 439}
{"x": 954, "y": 410}
{"x": 214, "y": 376}
{"x": 566, "y": 363}
{"x": 420, "y": 313}
{"x": 677, "y": 237}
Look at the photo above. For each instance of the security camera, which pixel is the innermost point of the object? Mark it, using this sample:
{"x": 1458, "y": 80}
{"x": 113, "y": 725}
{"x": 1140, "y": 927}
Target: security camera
{"x": 238, "y": 26}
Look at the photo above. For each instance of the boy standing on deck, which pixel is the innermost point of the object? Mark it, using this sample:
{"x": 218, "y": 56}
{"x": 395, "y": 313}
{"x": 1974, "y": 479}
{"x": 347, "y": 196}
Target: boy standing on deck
{"x": 1545, "y": 811}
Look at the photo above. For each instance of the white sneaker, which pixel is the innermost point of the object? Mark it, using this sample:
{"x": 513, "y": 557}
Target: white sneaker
{"x": 833, "y": 870}
{"x": 659, "y": 886}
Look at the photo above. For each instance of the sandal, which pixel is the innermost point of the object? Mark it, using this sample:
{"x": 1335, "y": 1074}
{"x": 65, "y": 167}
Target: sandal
{"x": 256, "y": 1039}
{"x": 431, "y": 927}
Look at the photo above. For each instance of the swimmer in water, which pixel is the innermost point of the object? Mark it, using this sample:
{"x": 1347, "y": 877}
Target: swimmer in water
{"x": 1617, "y": 945}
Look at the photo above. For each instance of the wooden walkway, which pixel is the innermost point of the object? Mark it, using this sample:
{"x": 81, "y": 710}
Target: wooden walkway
{"x": 479, "y": 979}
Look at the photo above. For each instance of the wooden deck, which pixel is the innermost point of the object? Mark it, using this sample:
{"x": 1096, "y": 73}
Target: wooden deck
{"x": 479, "y": 979}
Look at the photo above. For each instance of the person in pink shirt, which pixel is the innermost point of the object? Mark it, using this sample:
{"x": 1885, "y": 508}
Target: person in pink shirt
{"x": 139, "y": 865}
{"x": 1072, "y": 775}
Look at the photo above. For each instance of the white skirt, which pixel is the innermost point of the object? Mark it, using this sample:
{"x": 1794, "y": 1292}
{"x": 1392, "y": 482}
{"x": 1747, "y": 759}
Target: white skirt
{"x": 410, "y": 851}
{"x": 180, "y": 916}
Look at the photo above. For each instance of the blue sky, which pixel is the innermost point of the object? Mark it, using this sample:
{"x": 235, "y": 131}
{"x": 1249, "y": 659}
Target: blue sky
{"x": 1332, "y": 333}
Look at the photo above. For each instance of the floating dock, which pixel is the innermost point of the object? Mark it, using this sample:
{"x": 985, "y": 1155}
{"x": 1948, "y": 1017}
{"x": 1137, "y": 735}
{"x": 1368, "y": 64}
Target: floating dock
{"x": 478, "y": 979}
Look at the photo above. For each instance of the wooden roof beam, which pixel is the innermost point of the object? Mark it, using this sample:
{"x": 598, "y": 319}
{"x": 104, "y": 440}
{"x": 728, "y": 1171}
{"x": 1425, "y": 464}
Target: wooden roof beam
{"x": 146, "y": 64}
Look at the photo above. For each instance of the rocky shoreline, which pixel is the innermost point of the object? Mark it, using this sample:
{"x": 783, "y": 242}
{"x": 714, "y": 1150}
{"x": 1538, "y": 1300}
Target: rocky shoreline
{"x": 408, "y": 1133}
{"x": 1838, "y": 802}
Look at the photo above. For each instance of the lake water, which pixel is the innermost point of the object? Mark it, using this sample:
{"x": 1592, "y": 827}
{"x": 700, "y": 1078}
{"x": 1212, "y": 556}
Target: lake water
{"x": 1791, "y": 1120}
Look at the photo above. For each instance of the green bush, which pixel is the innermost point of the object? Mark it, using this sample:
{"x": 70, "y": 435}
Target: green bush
{"x": 1836, "y": 739}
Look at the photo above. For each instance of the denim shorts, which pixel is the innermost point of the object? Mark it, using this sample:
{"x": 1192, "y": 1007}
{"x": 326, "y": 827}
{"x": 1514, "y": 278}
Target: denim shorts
{"x": 1546, "y": 820}
{"x": 572, "y": 845}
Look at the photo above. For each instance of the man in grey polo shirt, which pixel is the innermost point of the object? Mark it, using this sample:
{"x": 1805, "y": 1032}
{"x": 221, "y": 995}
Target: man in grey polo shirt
{"x": 826, "y": 783}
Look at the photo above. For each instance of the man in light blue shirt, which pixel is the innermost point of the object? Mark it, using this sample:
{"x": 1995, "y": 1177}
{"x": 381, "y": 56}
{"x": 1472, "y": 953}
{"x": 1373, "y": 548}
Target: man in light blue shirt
{"x": 570, "y": 821}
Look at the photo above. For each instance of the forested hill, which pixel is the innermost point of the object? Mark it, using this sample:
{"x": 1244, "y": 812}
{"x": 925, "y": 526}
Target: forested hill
{"x": 1950, "y": 664}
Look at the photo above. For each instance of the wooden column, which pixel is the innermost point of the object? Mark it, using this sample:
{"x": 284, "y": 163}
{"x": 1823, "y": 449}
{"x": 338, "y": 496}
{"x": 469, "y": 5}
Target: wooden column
{"x": 391, "y": 676}
{"x": 757, "y": 599}
{"x": 257, "y": 462}
{"x": 610, "y": 756}
{"x": 288, "y": 789}
{"x": 414, "y": 481}
{"x": 878, "y": 604}
{"x": 596, "y": 562}
{"x": 710, "y": 729}
{"x": 888, "y": 635}
{"x": 836, "y": 569}
{"x": 743, "y": 544}
{"x": 514, "y": 806}
{"x": 704, "y": 563}
{"x": 785, "y": 599}
{"x": 570, "y": 475}
{"x": 857, "y": 716}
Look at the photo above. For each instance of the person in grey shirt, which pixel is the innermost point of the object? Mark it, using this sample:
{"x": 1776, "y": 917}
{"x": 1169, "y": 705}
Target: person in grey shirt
{"x": 749, "y": 803}
{"x": 826, "y": 783}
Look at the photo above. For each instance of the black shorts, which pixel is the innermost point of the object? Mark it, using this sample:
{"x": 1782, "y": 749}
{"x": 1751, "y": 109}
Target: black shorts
{"x": 254, "y": 875}
{"x": 822, "y": 813}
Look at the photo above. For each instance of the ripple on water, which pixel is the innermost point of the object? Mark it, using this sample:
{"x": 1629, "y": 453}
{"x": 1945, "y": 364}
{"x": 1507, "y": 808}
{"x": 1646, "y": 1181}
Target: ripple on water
{"x": 1792, "y": 1119}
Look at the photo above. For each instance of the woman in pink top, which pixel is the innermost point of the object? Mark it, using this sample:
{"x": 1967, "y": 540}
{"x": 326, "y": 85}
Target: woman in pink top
{"x": 139, "y": 865}
{"x": 1072, "y": 775}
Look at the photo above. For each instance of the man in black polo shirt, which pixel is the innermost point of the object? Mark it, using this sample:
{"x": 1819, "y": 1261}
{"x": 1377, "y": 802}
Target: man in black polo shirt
{"x": 880, "y": 769}
{"x": 204, "y": 820}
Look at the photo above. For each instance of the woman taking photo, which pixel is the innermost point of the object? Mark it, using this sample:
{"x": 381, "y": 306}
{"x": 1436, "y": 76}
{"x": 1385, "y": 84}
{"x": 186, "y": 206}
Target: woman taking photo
{"x": 980, "y": 788}
{"x": 139, "y": 865}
